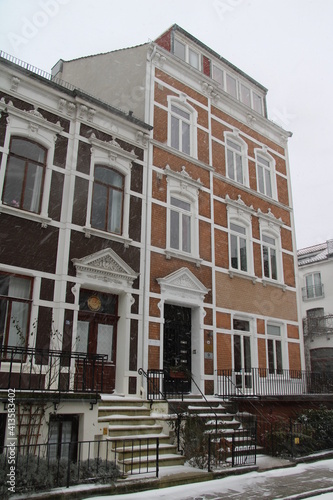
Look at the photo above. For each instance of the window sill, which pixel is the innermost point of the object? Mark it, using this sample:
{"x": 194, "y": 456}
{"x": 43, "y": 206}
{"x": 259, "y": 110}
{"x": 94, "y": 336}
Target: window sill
{"x": 184, "y": 256}
{"x": 89, "y": 231}
{"x": 266, "y": 282}
{"x": 317, "y": 297}
{"x": 240, "y": 274}
{"x": 17, "y": 212}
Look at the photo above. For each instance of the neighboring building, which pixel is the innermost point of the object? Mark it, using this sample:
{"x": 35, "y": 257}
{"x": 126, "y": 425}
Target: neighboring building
{"x": 315, "y": 267}
{"x": 160, "y": 237}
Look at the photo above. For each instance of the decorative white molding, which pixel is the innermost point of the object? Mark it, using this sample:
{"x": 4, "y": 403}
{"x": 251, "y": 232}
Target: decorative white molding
{"x": 105, "y": 266}
{"x": 183, "y": 177}
{"x": 183, "y": 283}
{"x": 113, "y": 148}
{"x": 33, "y": 120}
{"x": 239, "y": 208}
{"x": 142, "y": 138}
{"x": 15, "y": 83}
{"x": 270, "y": 218}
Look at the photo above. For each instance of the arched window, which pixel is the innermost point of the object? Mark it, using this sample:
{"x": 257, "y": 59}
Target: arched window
{"x": 265, "y": 174}
{"x": 24, "y": 176}
{"x": 236, "y": 168}
{"x": 107, "y": 200}
{"x": 182, "y": 127}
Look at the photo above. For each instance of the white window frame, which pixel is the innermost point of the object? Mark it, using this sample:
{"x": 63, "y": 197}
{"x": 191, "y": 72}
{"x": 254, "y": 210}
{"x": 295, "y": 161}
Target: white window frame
{"x": 274, "y": 338}
{"x": 313, "y": 286}
{"x": 182, "y": 105}
{"x": 245, "y": 223}
{"x": 243, "y": 153}
{"x": 240, "y": 214}
{"x": 182, "y": 187}
{"x": 262, "y": 153}
{"x": 187, "y": 53}
{"x": 32, "y": 126}
{"x": 271, "y": 227}
{"x": 110, "y": 155}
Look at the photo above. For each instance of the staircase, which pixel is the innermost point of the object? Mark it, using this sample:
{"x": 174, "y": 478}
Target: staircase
{"x": 229, "y": 430}
{"x": 133, "y": 433}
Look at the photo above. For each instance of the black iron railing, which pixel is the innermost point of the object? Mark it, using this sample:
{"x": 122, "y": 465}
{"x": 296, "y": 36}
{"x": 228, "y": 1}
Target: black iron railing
{"x": 265, "y": 382}
{"x": 318, "y": 325}
{"x": 28, "y": 369}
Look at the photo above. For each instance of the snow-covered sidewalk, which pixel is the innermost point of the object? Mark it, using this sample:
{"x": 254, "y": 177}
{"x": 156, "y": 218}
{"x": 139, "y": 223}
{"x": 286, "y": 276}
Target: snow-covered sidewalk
{"x": 285, "y": 483}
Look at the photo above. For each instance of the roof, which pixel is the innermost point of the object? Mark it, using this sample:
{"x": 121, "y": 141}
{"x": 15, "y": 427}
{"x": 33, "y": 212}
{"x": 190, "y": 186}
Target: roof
{"x": 315, "y": 253}
{"x": 176, "y": 27}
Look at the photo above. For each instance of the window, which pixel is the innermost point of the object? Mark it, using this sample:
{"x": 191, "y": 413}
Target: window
{"x": 234, "y": 160}
{"x": 187, "y": 54}
{"x": 218, "y": 75}
{"x": 180, "y": 129}
{"x": 231, "y": 85}
{"x": 264, "y": 176}
{"x": 180, "y": 225}
{"x": 24, "y": 177}
{"x": 63, "y": 436}
{"x": 314, "y": 287}
{"x": 242, "y": 354}
{"x": 274, "y": 349}
{"x": 238, "y": 247}
{"x": 15, "y": 300}
{"x": 245, "y": 95}
{"x": 269, "y": 257}
{"x": 257, "y": 103}
{"x": 107, "y": 201}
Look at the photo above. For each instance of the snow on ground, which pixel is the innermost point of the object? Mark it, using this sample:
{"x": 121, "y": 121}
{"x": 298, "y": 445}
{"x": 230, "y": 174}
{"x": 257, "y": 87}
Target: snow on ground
{"x": 245, "y": 486}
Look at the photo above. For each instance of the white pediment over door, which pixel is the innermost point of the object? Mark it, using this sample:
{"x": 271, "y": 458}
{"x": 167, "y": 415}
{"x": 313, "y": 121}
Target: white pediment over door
{"x": 105, "y": 266}
{"x": 183, "y": 284}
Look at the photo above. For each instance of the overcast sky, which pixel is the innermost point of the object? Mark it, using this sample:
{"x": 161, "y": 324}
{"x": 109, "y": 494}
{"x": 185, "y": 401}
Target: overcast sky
{"x": 286, "y": 45}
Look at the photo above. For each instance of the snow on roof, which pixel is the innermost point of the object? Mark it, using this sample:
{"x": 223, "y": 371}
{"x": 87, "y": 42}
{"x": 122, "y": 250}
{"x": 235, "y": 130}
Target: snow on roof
{"x": 315, "y": 253}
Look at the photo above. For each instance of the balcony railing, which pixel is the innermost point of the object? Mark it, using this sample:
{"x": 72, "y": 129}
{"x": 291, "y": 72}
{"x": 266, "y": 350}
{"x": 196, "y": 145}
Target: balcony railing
{"x": 318, "y": 325}
{"x": 265, "y": 382}
{"x": 38, "y": 370}
{"x": 313, "y": 291}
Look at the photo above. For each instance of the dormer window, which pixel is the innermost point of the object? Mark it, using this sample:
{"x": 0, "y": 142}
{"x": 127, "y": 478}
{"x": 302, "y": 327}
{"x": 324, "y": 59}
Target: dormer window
{"x": 186, "y": 53}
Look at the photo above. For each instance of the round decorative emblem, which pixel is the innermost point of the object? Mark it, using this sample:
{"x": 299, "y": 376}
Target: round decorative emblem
{"x": 94, "y": 303}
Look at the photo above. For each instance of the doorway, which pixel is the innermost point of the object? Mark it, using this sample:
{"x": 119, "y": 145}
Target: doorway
{"x": 177, "y": 348}
{"x": 97, "y": 331}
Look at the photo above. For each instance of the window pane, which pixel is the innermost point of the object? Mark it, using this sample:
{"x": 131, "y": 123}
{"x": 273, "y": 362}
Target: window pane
{"x": 114, "y": 211}
{"x": 81, "y": 341}
{"x": 180, "y": 204}
{"x": 268, "y": 183}
{"x": 14, "y": 182}
{"x": 273, "y": 330}
{"x": 237, "y": 353}
{"x": 234, "y": 251}
{"x": 179, "y": 49}
{"x": 231, "y": 85}
{"x": 263, "y": 161}
{"x": 265, "y": 261}
{"x": 261, "y": 185}
{"x": 273, "y": 264}
{"x": 33, "y": 186}
{"x": 108, "y": 176}
{"x": 268, "y": 239}
{"x": 194, "y": 59}
{"x": 175, "y": 132}
{"x": 65, "y": 438}
{"x": 99, "y": 207}
{"x": 28, "y": 149}
{"x": 245, "y": 95}
{"x": 270, "y": 356}
{"x": 278, "y": 356}
{"x": 18, "y": 327}
{"x": 236, "y": 227}
{"x": 243, "y": 259}
{"x": 186, "y": 233}
{"x": 218, "y": 75}
{"x": 180, "y": 112}
{"x": 234, "y": 145}
{"x": 241, "y": 324}
{"x": 186, "y": 138}
{"x": 230, "y": 163}
{"x": 239, "y": 168}
{"x": 105, "y": 340}
{"x": 257, "y": 103}
{"x": 247, "y": 354}
{"x": 174, "y": 230}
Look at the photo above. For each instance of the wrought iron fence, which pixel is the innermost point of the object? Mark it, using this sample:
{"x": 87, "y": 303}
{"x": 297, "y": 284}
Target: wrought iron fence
{"x": 51, "y": 465}
{"x": 28, "y": 369}
{"x": 265, "y": 382}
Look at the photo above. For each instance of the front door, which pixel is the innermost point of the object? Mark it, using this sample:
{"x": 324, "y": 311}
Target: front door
{"x": 177, "y": 348}
{"x": 97, "y": 333}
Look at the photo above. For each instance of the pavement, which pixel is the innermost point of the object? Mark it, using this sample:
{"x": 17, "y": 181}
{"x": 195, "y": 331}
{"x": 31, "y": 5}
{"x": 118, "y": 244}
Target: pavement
{"x": 270, "y": 478}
